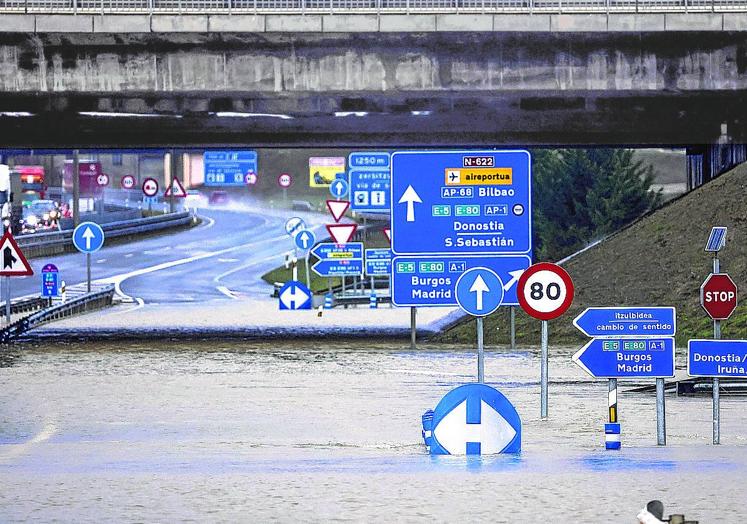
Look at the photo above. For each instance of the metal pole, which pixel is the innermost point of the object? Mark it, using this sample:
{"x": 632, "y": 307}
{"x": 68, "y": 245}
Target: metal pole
{"x": 716, "y": 392}
{"x": 612, "y": 400}
{"x": 661, "y": 414}
{"x": 391, "y": 304}
{"x": 543, "y": 373}
{"x": 7, "y": 300}
{"x": 512, "y": 310}
{"x": 172, "y": 175}
{"x": 88, "y": 270}
{"x": 413, "y": 327}
{"x": 480, "y": 352}
{"x": 76, "y": 188}
{"x": 373, "y": 287}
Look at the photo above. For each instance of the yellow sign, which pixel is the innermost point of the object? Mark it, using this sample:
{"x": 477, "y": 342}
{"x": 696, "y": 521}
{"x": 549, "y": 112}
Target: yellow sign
{"x": 324, "y": 169}
{"x": 479, "y": 176}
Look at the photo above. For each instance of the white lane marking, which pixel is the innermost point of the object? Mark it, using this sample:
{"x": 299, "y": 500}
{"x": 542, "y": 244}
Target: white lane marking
{"x": 129, "y": 255}
{"x": 101, "y": 261}
{"x": 278, "y": 256}
{"x": 227, "y": 292}
{"x": 227, "y": 260}
{"x": 15, "y": 450}
{"x": 206, "y": 225}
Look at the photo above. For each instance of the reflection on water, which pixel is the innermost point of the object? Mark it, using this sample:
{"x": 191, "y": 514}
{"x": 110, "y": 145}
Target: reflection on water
{"x": 299, "y": 431}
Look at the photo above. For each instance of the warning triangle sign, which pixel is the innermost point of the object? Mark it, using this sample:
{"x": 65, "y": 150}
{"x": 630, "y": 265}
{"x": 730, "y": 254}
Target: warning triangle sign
{"x": 342, "y": 233}
{"x": 176, "y": 189}
{"x": 337, "y": 208}
{"x": 388, "y": 234}
{"x": 12, "y": 261}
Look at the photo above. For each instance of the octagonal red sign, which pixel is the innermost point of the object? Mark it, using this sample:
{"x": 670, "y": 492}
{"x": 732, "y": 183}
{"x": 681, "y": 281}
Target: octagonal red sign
{"x": 718, "y": 296}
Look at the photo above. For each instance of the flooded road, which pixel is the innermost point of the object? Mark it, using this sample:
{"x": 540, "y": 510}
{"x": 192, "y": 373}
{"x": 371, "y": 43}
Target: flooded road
{"x": 244, "y": 431}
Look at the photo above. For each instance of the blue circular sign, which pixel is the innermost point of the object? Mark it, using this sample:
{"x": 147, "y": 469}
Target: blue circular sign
{"x": 338, "y": 188}
{"x": 479, "y": 291}
{"x": 88, "y": 237}
{"x": 305, "y": 239}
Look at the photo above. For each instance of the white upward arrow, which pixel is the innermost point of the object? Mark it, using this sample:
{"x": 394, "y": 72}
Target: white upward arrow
{"x": 293, "y": 297}
{"x": 410, "y": 197}
{"x": 305, "y": 239}
{"x": 493, "y": 432}
{"x": 515, "y": 276}
{"x": 338, "y": 188}
{"x": 479, "y": 287}
{"x": 88, "y": 235}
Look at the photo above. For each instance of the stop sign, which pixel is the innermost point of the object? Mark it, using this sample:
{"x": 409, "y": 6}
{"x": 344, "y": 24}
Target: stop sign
{"x": 718, "y": 296}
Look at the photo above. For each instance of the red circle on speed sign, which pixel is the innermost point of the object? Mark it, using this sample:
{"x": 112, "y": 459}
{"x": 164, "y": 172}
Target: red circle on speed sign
{"x": 285, "y": 180}
{"x": 545, "y": 291}
{"x": 718, "y": 296}
{"x": 150, "y": 187}
{"x": 127, "y": 182}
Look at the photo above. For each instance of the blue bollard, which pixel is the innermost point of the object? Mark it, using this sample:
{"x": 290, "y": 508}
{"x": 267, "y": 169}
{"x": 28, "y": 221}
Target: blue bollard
{"x": 372, "y": 303}
{"x": 428, "y": 428}
{"x": 612, "y": 436}
{"x": 328, "y": 301}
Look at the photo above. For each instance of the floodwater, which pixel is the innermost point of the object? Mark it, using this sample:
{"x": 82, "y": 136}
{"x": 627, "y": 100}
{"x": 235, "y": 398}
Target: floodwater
{"x": 299, "y": 431}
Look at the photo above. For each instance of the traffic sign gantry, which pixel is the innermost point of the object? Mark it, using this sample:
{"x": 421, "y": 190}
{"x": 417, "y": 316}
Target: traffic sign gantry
{"x": 304, "y": 239}
{"x": 545, "y": 291}
{"x": 294, "y": 295}
{"x": 717, "y": 358}
{"x": 88, "y": 237}
{"x": 466, "y": 202}
{"x": 14, "y": 263}
{"x": 627, "y": 321}
{"x": 718, "y": 296}
{"x": 627, "y": 357}
{"x": 475, "y": 419}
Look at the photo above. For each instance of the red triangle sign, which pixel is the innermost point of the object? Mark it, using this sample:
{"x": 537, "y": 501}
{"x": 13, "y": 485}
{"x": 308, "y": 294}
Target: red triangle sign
{"x": 388, "y": 233}
{"x": 337, "y": 208}
{"x": 342, "y": 233}
{"x": 176, "y": 189}
{"x": 12, "y": 261}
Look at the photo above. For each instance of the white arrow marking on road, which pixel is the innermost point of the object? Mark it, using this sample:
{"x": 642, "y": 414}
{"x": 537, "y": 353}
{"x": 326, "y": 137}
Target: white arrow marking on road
{"x": 479, "y": 287}
{"x": 88, "y": 235}
{"x": 305, "y": 239}
{"x": 296, "y": 297}
{"x": 410, "y": 197}
{"x": 493, "y": 432}
{"x": 515, "y": 276}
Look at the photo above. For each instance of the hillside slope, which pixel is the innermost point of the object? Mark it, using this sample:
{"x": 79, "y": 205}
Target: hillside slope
{"x": 658, "y": 261}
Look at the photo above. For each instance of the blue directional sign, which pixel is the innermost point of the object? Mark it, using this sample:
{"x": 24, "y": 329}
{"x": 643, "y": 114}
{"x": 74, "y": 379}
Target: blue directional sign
{"x": 304, "y": 239}
{"x": 627, "y": 321}
{"x": 330, "y": 250}
{"x": 378, "y": 262}
{"x": 431, "y": 281}
{"x": 479, "y": 291}
{"x": 228, "y": 168}
{"x": 717, "y": 358}
{"x": 627, "y": 357}
{"x": 467, "y": 202}
{"x": 369, "y": 182}
{"x": 50, "y": 281}
{"x": 294, "y": 295}
{"x": 339, "y": 188}
{"x": 369, "y": 160}
{"x": 88, "y": 237}
{"x": 475, "y": 419}
{"x": 338, "y": 268}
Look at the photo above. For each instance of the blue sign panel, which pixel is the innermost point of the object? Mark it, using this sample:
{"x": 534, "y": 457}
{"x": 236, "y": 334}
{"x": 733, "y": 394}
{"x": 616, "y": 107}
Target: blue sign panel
{"x": 304, "y": 239}
{"x": 431, "y": 281}
{"x": 378, "y": 262}
{"x": 334, "y": 251}
{"x": 475, "y": 419}
{"x": 88, "y": 237}
{"x": 627, "y": 357}
{"x": 228, "y": 168}
{"x": 369, "y": 160}
{"x": 467, "y": 203}
{"x": 369, "y": 191}
{"x": 294, "y": 295}
{"x": 627, "y": 321}
{"x": 338, "y": 268}
{"x": 717, "y": 358}
{"x": 339, "y": 188}
{"x": 479, "y": 291}
{"x": 50, "y": 281}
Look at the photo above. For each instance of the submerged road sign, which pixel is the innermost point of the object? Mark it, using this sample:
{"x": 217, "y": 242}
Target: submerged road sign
{"x": 475, "y": 419}
{"x": 627, "y": 357}
{"x": 431, "y": 281}
{"x": 717, "y": 358}
{"x": 14, "y": 264}
{"x": 294, "y": 295}
{"x": 378, "y": 262}
{"x": 627, "y": 321}
{"x": 465, "y": 202}
{"x": 88, "y": 237}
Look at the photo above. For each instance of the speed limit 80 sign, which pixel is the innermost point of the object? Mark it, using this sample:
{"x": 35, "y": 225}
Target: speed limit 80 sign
{"x": 545, "y": 291}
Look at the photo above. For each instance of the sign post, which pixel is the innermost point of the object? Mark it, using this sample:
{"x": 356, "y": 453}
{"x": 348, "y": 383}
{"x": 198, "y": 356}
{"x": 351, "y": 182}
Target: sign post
{"x": 14, "y": 265}
{"x": 305, "y": 240}
{"x": 88, "y": 238}
{"x": 545, "y": 291}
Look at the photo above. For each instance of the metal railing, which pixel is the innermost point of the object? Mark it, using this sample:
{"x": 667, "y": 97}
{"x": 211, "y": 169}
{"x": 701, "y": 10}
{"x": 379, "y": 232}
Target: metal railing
{"x": 365, "y": 6}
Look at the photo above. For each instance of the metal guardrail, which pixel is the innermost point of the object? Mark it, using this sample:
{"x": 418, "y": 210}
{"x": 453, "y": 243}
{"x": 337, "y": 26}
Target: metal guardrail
{"x": 22, "y": 305}
{"x": 88, "y": 302}
{"x": 364, "y": 6}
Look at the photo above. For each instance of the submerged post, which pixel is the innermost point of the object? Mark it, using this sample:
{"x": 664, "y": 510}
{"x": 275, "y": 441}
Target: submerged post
{"x": 544, "y": 373}
{"x": 480, "y": 352}
{"x": 661, "y": 414}
{"x": 612, "y": 429}
{"x": 413, "y": 328}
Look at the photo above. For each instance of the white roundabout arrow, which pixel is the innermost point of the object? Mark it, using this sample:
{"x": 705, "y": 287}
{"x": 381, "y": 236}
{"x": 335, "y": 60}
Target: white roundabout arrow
{"x": 293, "y": 295}
{"x": 493, "y": 432}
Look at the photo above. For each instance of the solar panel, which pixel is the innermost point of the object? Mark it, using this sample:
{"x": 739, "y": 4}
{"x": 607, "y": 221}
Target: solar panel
{"x": 717, "y": 240}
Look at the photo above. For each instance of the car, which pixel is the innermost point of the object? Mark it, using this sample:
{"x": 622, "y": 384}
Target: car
{"x": 218, "y": 198}
{"x": 302, "y": 205}
{"x": 40, "y": 215}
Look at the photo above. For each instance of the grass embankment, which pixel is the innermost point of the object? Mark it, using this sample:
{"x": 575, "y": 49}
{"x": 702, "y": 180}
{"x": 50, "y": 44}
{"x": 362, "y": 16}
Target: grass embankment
{"x": 658, "y": 261}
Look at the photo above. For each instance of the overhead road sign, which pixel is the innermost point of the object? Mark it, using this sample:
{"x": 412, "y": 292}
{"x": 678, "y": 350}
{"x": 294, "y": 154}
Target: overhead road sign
{"x": 716, "y": 240}
{"x": 285, "y": 180}
{"x": 127, "y": 182}
{"x": 50, "y": 281}
{"x": 718, "y": 296}
{"x": 627, "y": 321}
{"x": 228, "y": 168}
{"x": 332, "y": 251}
{"x": 475, "y": 419}
{"x": 545, "y": 291}
{"x": 717, "y": 358}
{"x": 304, "y": 239}
{"x": 324, "y": 170}
{"x": 337, "y": 208}
{"x": 14, "y": 262}
{"x": 369, "y": 160}
{"x": 378, "y": 262}
{"x": 431, "y": 281}
{"x": 293, "y": 225}
{"x": 339, "y": 188}
{"x": 88, "y": 237}
{"x": 150, "y": 187}
{"x": 479, "y": 291}
{"x": 465, "y": 202}
{"x": 342, "y": 233}
{"x": 176, "y": 189}
{"x": 294, "y": 295}
{"x": 627, "y": 357}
